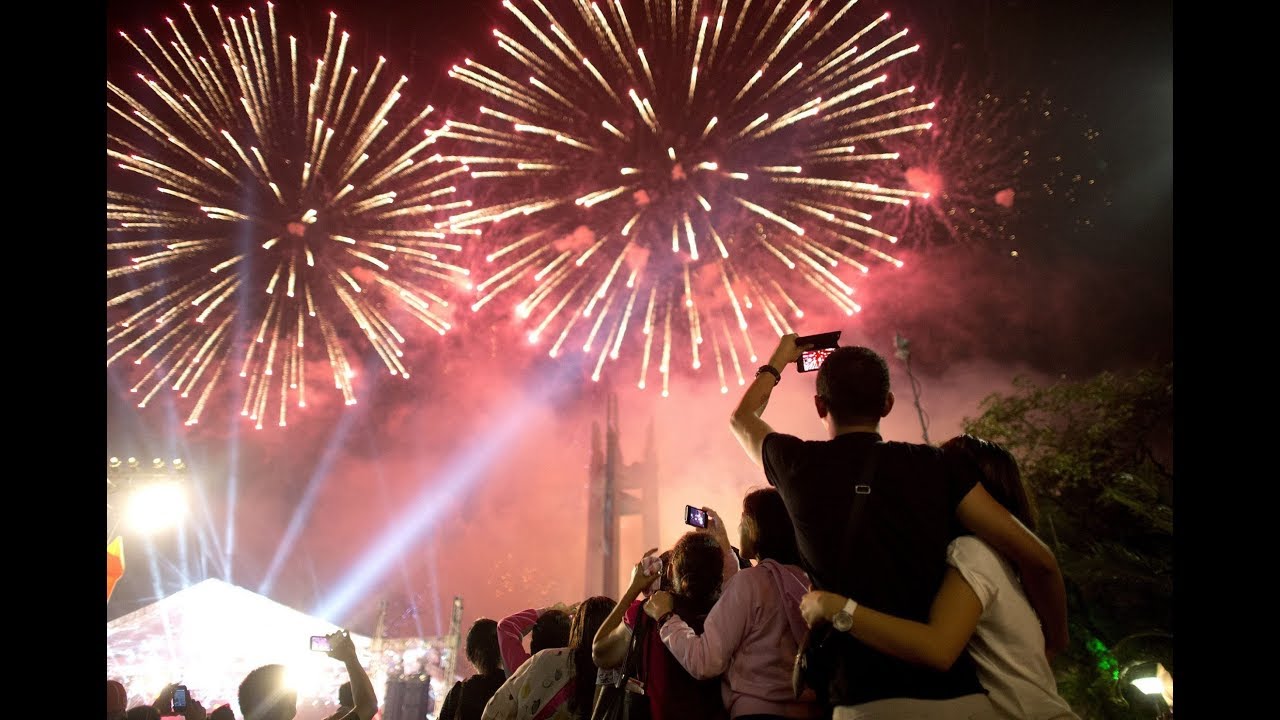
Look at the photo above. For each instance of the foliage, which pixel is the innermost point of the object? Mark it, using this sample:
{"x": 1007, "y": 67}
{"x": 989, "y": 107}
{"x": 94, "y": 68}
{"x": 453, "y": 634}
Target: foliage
{"x": 1097, "y": 457}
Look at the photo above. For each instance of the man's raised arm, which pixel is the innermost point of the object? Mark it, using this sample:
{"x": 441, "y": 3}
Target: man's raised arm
{"x": 747, "y": 426}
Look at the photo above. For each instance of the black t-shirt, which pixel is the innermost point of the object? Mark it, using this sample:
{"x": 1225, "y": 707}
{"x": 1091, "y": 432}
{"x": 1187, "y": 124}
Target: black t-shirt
{"x": 897, "y": 556}
{"x": 468, "y": 697}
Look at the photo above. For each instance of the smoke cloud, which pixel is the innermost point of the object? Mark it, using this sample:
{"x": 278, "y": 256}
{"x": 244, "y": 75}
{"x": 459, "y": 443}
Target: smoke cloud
{"x": 514, "y": 535}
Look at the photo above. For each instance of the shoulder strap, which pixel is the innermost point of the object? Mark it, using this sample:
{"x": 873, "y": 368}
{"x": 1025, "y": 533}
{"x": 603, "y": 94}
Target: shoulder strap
{"x": 639, "y": 643}
{"x": 858, "y": 501}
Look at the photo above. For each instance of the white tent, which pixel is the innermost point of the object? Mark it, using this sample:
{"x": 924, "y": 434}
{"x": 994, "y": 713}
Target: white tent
{"x": 210, "y": 635}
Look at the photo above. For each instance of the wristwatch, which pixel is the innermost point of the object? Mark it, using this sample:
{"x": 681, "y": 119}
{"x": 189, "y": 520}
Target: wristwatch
{"x": 843, "y": 620}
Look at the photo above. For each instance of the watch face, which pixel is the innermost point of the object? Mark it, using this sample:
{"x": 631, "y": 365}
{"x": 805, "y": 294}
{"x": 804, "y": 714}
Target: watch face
{"x": 842, "y": 621}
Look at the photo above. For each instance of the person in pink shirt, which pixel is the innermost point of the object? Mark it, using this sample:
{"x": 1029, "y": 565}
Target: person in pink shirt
{"x": 751, "y": 635}
{"x": 550, "y": 628}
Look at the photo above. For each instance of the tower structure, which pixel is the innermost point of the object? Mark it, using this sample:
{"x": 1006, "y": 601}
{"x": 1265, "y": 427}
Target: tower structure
{"x": 455, "y": 635}
{"x": 616, "y": 489}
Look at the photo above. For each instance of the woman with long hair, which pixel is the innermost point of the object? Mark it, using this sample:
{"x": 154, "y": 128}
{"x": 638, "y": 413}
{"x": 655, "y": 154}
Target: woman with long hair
{"x": 556, "y": 683}
{"x": 752, "y": 634}
{"x": 980, "y": 607}
{"x": 700, "y": 561}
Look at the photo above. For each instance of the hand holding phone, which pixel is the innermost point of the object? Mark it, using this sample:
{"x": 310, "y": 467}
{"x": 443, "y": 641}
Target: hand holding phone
{"x": 696, "y": 517}
{"x": 180, "y": 699}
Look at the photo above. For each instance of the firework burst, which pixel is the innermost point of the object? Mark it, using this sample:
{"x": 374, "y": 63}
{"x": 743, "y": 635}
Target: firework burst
{"x": 658, "y": 178}
{"x": 990, "y": 156}
{"x": 264, "y": 211}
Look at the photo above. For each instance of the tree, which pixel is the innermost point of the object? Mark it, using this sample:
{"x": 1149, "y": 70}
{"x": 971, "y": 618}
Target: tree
{"x": 1097, "y": 457}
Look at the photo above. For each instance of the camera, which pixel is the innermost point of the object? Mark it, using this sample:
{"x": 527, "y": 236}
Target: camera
{"x": 820, "y": 347}
{"x": 320, "y": 643}
{"x": 180, "y": 698}
{"x": 696, "y": 517}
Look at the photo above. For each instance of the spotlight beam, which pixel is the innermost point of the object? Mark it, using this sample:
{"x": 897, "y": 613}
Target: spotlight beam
{"x": 302, "y": 513}
{"x": 435, "y": 499}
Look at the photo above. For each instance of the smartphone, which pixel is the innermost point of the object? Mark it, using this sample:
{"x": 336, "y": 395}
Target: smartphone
{"x": 320, "y": 643}
{"x": 696, "y": 517}
{"x": 180, "y": 699}
{"x": 821, "y": 346}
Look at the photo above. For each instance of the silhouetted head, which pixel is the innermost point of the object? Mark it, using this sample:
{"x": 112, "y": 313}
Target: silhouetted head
{"x": 265, "y": 695}
{"x": 345, "y": 698}
{"x": 551, "y": 630}
{"x": 765, "y": 531}
{"x": 117, "y": 700}
{"x": 222, "y": 712}
{"x": 853, "y": 388}
{"x": 482, "y": 646}
{"x": 698, "y": 561}
{"x": 1000, "y": 474}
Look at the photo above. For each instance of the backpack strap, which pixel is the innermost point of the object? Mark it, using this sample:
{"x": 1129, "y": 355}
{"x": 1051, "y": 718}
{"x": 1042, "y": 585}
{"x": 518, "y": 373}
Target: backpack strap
{"x": 858, "y": 501}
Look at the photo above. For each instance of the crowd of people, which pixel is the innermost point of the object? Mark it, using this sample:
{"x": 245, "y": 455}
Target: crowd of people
{"x": 264, "y": 694}
{"x": 870, "y": 579}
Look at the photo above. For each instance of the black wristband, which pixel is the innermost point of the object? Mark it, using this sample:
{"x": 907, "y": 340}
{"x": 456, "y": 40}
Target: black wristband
{"x": 777, "y": 376}
{"x": 665, "y": 617}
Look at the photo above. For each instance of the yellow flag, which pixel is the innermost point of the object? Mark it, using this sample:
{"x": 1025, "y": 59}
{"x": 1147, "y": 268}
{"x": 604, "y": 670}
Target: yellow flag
{"x": 115, "y": 564}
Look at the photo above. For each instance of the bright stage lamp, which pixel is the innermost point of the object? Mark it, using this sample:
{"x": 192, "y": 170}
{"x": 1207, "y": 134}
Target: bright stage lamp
{"x": 157, "y": 507}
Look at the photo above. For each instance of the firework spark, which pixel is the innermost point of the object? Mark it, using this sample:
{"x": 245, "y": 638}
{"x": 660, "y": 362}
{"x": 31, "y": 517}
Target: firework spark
{"x": 656, "y": 172}
{"x": 263, "y": 210}
{"x": 989, "y": 157}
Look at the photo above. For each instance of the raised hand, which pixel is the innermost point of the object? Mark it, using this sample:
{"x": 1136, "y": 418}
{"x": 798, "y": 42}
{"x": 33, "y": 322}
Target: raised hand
{"x": 341, "y": 647}
{"x": 658, "y": 604}
{"x": 645, "y": 571}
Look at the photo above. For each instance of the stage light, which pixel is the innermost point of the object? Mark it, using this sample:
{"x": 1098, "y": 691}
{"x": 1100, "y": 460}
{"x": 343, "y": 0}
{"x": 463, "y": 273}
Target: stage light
{"x": 114, "y": 462}
{"x": 156, "y": 507}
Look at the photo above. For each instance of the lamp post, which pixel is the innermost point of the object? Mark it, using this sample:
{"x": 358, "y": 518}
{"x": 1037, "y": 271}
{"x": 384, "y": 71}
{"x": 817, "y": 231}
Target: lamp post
{"x": 903, "y": 352}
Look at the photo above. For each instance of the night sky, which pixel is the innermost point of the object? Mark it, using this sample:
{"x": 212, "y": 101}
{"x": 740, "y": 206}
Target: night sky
{"x": 1078, "y": 298}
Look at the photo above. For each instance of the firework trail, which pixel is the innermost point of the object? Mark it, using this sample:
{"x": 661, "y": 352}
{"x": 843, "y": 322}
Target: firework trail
{"x": 261, "y": 214}
{"x": 988, "y": 158}
{"x": 667, "y": 182}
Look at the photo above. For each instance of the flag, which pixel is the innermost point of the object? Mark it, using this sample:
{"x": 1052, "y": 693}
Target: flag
{"x": 115, "y": 564}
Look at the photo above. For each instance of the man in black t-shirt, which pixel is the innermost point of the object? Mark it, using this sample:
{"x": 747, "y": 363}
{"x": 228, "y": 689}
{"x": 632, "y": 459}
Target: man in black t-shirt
{"x": 890, "y": 552}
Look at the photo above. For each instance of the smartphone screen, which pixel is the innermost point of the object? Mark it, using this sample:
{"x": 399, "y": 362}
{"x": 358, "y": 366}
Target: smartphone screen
{"x": 320, "y": 643}
{"x": 180, "y": 699}
{"x": 695, "y": 516}
{"x": 811, "y": 360}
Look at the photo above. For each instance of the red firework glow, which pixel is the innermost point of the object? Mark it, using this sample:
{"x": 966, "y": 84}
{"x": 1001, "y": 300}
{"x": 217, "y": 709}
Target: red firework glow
{"x": 721, "y": 163}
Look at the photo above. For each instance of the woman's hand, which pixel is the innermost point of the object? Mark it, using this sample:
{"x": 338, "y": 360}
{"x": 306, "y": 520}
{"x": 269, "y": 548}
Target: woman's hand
{"x": 659, "y": 604}
{"x": 645, "y": 572}
{"x": 820, "y": 606}
{"x": 717, "y": 528}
